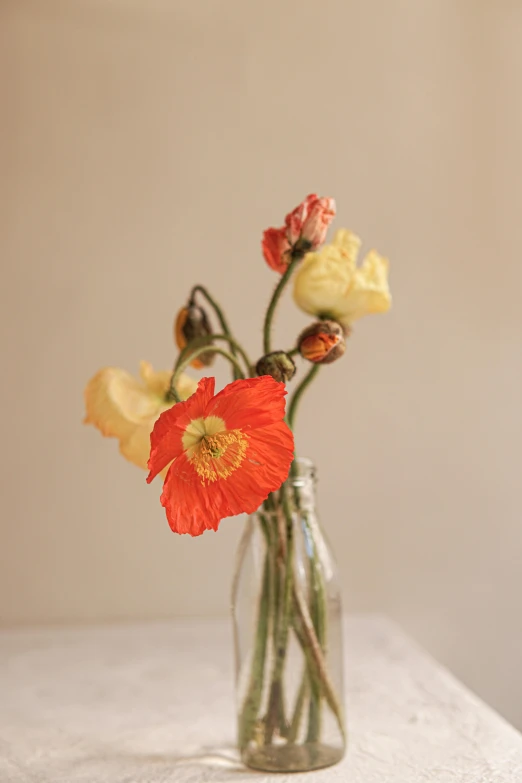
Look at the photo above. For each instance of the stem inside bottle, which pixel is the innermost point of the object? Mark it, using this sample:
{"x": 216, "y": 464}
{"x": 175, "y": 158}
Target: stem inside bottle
{"x": 290, "y": 665}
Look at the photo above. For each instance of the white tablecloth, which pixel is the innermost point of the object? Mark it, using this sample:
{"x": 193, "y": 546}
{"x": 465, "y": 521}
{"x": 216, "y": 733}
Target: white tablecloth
{"x": 153, "y": 703}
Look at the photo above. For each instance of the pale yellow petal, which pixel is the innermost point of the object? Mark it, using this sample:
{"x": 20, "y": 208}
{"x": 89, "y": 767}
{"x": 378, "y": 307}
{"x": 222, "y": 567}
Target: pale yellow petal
{"x": 159, "y": 382}
{"x": 115, "y": 402}
{"x": 126, "y": 408}
{"x": 330, "y": 285}
{"x": 156, "y": 382}
{"x": 369, "y": 292}
{"x": 349, "y": 244}
{"x": 322, "y": 281}
{"x": 186, "y": 386}
{"x": 136, "y": 448}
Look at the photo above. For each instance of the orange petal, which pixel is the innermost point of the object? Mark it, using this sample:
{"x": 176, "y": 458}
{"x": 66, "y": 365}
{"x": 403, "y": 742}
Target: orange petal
{"x": 193, "y": 506}
{"x": 265, "y": 467}
{"x": 317, "y": 346}
{"x": 269, "y": 456}
{"x": 250, "y": 403}
{"x": 188, "y": 507}
{"x": 166, "y": 437}
{"x": 276, "y": 249}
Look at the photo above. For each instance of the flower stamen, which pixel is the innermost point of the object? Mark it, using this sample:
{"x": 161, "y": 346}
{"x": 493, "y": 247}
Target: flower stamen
{"x": 218, "y": 456}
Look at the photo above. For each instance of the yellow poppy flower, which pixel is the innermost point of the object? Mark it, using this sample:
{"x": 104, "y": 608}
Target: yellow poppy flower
{"x": 329, "y": 284}
{"x": 124, "y": 407}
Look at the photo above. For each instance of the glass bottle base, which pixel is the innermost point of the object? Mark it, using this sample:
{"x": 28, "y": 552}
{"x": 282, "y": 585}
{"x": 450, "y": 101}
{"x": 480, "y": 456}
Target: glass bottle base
{"x": 292, "y": 758}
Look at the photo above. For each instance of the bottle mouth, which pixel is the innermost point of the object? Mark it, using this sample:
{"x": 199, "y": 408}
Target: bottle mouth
{"x": 302, "y": 472}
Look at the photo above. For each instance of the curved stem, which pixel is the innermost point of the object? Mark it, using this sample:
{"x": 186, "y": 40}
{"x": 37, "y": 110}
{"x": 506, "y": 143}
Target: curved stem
{"x": 236, "y": 346}
{"x": 294, "y": 402}
{"x": 198, "y": 342}
{"x": 220, "y": 315}
{"x": 172, "y": 393}
{"x": 267, "y": 329}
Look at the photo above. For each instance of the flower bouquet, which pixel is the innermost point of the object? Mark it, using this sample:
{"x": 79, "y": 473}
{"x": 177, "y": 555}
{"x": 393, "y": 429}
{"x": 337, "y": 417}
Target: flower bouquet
{"x": 231, "y": 453}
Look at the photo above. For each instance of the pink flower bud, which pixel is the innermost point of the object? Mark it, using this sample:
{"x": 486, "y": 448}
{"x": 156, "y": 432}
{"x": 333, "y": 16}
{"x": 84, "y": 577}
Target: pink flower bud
{"x": 310, "y": 220}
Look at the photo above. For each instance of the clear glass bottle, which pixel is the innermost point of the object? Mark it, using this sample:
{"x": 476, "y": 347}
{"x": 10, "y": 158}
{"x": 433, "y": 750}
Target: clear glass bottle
{"x": 288, "y": 635}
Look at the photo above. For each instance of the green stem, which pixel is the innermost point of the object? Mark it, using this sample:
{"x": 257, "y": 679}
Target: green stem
{"x": 304, "y": 630}
{"x": 172, "y": 394}
{"x": 236, "y": 346}
{"x": 275, "y": 538}
{"x": 292, "y": 352}
{"x": 250, "y": 709}
{"x": 318, "y": 616}
{"x": 269, "y": 317}
{"x": 265, "y": 527}
{"x": 286, "y": 566}
{"x": 220, "y": 315}
{"x": 299, "y": 705}
{"x": 294, "y": 402}
{"x": 198, "y": 342}
{"x": 271, "y": 549}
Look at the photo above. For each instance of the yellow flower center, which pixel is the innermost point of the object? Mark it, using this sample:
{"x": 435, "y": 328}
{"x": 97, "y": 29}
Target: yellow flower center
{"x": 214, "y": 451}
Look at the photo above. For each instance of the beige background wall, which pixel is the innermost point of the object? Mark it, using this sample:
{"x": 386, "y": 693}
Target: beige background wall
{"x": 144, "y": 146}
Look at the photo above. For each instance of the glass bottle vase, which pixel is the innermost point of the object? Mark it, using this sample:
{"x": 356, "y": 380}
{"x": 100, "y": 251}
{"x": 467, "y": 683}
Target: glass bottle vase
{"x": 288, "y": 635}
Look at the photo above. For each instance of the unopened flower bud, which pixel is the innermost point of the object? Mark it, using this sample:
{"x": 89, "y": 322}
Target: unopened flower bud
{"x": 309, "y": 221}
{"x": 192, "y": 323}
{"x": 322, "y": 342}
{"x": 277, "y": 364}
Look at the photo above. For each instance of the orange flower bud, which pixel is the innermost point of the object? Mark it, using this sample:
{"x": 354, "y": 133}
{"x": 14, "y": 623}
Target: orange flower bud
{"x": 322, "y": 342}
{"x": 192, "y": 322}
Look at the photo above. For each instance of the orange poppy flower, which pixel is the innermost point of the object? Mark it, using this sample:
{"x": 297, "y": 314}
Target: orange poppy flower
{"x": 228, "y": 452}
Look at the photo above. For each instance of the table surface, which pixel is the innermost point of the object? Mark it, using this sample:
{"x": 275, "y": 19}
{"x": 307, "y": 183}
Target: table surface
{"x": 154, "y": 703}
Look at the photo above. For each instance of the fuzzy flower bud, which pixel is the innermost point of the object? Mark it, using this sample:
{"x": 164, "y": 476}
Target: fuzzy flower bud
{"x": 322, "y": 342}
{"x": 277, "y": 364}
{"x": 192, "y": 323}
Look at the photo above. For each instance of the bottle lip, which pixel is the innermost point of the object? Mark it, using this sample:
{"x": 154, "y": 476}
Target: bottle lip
{"x": 302, "y": 470}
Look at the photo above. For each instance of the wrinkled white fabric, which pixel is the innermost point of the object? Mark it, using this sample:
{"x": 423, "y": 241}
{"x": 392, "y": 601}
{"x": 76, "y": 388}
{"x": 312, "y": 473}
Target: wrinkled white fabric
{"x": 154, "y": 703}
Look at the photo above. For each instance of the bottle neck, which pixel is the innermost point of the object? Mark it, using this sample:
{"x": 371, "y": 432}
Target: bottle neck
{"x": 301, "y": 484}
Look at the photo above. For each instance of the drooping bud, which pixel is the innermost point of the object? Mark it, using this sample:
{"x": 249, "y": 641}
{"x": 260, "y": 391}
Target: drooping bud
{"x": 278, "y": 364}
{"x": 192, "y": 323}
{"x": 322, "y": 343}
